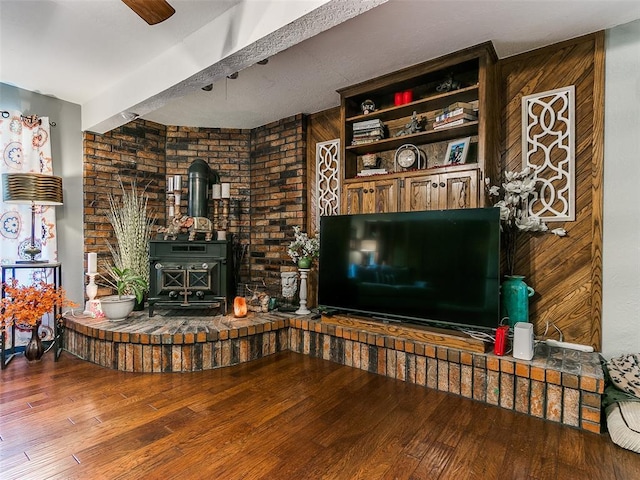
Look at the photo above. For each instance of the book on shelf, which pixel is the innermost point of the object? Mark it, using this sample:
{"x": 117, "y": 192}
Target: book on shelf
{"x": 454, "y": 113}
{"x": 468, "y": 105}
{"x": 365, "y": 141}
{"x": 368, "y": 124}
{"x": 371, "y": 171}
{"x": 369, "y": 133}
{"x": 454, "y": 119}
{"x": 454, "y": 123}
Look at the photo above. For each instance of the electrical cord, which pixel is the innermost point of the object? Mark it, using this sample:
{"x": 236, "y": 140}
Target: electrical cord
{"x": 543, "y": 338}
{"x": 478, "y": 335}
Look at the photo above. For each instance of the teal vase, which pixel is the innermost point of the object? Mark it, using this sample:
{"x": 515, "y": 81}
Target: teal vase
{"x": 515, "y": 295}
{"x": 304, "y": 262}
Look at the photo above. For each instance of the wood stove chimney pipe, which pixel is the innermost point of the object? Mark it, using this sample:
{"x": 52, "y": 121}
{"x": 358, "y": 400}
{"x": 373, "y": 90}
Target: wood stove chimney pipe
{"x": 201, "y": 177}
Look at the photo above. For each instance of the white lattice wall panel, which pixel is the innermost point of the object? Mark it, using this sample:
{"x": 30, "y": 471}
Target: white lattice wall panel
{"x": 548, "y": 147}
{"x": 328, "y": 178}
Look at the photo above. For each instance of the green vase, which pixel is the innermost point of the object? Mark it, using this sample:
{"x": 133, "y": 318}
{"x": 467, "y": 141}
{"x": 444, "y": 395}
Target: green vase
{"x": 515, "y": 295}
{"x": 304, "y": 262}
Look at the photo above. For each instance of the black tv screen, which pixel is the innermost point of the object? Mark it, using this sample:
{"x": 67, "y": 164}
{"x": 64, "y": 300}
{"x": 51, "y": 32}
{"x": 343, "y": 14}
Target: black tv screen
{"x": 432, "y": 267}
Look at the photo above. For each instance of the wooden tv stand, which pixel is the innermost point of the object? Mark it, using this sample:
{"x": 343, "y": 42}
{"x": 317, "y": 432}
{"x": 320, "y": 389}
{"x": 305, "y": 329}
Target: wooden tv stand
{"x": 421, "y": 333}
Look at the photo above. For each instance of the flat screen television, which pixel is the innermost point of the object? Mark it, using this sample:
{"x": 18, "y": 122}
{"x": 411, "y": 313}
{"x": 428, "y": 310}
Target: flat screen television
{"x": 433, "y": 267}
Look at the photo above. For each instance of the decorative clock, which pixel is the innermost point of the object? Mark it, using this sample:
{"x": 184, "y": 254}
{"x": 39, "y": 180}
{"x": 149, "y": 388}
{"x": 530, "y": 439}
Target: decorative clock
{"x": 409, "y": 156}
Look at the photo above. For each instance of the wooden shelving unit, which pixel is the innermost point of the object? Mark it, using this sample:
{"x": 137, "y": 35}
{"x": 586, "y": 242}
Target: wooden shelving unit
{"x": 472, "y": 73}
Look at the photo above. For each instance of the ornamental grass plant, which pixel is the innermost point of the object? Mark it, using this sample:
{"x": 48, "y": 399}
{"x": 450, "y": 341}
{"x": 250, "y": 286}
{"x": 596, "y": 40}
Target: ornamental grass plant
{"x": 132, "y": 224}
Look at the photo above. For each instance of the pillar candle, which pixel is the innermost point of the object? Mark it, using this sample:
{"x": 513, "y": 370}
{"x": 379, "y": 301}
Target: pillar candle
{"x": 226, "y": 190}
{"x": 169, "y": 184}
{"x": 177, "y": 182}
{"x": 172, "y": 211}
{"x": 216, "y": 191}
{"x": 177, "y": 196}
{"x": 92, "y": 262}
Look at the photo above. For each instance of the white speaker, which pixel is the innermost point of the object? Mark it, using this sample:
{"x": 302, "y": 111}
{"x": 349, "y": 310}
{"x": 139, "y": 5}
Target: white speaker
{"x": 523, "y": 341}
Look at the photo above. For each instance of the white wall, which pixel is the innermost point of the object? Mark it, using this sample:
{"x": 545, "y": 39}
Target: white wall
{"x": 621, "y": 255}
{"x": 66, "y": 146}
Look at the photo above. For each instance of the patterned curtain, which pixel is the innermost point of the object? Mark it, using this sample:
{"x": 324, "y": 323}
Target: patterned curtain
{"x": 26, "y": 147}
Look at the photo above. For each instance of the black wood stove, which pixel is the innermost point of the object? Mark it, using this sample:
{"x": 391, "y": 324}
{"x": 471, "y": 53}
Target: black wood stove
{"x": 190, "y": 274}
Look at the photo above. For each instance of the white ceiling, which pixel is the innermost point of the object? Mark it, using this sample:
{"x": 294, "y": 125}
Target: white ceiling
{"x": 99, "y": 54}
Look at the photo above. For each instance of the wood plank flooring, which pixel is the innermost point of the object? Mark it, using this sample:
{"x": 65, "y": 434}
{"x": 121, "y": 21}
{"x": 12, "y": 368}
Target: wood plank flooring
{"x": 287, "y": 416}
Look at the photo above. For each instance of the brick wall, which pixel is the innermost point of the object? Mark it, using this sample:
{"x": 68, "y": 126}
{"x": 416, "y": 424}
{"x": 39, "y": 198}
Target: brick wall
{"x": 278, "y": 196}
{"x": 226, "y": 151}
{"x": 266, "y": 168}
{"x": 134, "y": 152}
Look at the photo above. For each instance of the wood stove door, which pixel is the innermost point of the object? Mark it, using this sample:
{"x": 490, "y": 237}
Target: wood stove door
{"x": 189, "y": 274}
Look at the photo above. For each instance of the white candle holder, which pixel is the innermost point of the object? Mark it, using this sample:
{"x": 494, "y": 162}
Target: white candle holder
{"x": 303, "y": 310}
{"x": 92, "y": 307}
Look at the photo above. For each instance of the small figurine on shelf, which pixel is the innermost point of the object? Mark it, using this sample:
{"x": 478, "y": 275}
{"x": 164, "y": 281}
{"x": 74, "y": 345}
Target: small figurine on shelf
{"x": 367, "y": 107}
{"x": 415, "y": 125}
{"x": 448, "y": 84}
{"x": 179, "y": 224}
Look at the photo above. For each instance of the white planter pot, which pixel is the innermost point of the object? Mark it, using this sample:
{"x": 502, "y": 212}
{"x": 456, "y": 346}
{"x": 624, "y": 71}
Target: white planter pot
{"x": 117, "y": 308}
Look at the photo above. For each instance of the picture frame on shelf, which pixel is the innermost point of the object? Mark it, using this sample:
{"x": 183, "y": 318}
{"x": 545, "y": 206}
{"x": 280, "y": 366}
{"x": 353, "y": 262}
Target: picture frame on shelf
{"x": 457, "y": 151}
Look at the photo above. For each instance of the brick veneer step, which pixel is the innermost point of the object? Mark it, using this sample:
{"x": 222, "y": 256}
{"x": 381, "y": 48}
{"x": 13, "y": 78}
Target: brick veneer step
{"x": 559, "y": 385}
{"x": 170, "y": 343}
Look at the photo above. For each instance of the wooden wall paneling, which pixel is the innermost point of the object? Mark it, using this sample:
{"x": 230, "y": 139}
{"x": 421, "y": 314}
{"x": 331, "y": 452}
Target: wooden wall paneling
{"x": 566, "y": 272}
{"x": 321, "y": 127}
{"x": 597, "y": 190}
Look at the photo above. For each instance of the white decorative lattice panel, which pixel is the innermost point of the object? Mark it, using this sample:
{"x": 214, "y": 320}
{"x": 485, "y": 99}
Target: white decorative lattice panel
{"x": 327, "y": 178}
{"x": 548, "y": 147}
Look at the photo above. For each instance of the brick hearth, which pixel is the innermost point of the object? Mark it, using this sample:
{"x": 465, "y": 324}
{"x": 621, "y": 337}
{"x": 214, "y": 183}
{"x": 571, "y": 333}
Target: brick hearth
{"x": 170, "y": 342}
{"x": 558, "y": 385}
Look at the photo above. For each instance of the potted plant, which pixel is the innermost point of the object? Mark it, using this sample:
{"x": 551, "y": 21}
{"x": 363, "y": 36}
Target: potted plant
{"x": 132, "y": 225}
{"x": 303, "y": 250}
{"x": 130, "y": 286}
{"x": 24, "y": 307}
{"x": 518, "y": 189}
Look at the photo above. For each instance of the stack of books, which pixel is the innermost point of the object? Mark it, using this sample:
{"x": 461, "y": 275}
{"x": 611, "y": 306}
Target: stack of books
{"x": 367, "y": 131}
{"x": 455, "y": 114}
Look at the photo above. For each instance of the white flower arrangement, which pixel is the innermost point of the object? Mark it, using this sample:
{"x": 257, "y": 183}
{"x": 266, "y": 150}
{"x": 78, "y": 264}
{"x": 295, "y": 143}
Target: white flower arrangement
{"x": 302, "y": 246}
{"x": 516, "y": 191}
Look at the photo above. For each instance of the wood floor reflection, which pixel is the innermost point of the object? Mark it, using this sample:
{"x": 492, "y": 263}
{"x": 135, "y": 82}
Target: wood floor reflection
{"x": 287, "y": 416}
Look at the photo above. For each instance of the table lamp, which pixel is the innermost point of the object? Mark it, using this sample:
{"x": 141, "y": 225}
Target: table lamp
{"x": 34, "y": 189}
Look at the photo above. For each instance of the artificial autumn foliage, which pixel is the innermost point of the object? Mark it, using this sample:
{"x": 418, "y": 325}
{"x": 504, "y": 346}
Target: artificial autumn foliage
{"x": 25, "y": 306}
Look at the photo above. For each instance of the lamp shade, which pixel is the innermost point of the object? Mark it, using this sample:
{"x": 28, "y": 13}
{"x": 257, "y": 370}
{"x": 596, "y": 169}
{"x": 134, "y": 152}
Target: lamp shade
{"x": 32, "y": 188}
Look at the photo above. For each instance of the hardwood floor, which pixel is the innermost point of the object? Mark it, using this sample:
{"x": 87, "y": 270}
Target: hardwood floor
{"x": 287, "y": 416}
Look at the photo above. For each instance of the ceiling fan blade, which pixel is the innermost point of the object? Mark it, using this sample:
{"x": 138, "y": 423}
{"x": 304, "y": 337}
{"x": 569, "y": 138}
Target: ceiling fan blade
{"x": 151, "y": 11}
